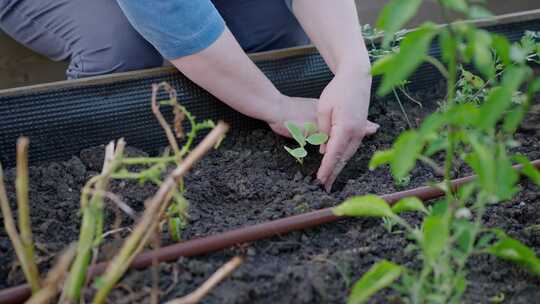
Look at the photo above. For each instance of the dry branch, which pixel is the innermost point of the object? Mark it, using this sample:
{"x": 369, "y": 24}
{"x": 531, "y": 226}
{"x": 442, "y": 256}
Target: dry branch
{"x": 54, "y": 278}
{"x": 223, "y": 272}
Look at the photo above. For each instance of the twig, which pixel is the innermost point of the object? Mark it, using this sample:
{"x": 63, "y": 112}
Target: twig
{"x": 154, "y": 293}
{"x": 402, "y": 109}
{"x": 155, "y": 109}
{"x": 23, "y": 209}
{"x": 54, "y": 277}
{"x": 223, "y": 272}
{"x": 150, "y": 219}
{"x": 13, "y": 234}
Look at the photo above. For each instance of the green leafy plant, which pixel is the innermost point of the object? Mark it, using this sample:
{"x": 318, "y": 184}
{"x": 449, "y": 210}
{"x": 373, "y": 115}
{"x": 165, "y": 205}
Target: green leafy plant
{"x": 476, "y": 129}
{"x": 308, "y": 135}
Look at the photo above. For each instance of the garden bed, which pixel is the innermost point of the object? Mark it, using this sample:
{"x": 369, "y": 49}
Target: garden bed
{"x": 251, "y": 179}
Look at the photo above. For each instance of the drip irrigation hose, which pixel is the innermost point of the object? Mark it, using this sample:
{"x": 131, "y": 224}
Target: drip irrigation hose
{"x": 252, "y": 233}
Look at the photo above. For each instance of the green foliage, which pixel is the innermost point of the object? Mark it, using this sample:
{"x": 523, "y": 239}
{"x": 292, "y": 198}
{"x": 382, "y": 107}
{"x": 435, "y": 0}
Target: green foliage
{"x": 412, "y": 52}
{"x": 379, "y": 276}
{"x": 366, "y": 206}
{"x": 482, "y": 109}
{"x": 394, "y": 16}
{"x": 513, "y": 250}
{"x": 409, "y": 204}
{"x": 308, "y": 135}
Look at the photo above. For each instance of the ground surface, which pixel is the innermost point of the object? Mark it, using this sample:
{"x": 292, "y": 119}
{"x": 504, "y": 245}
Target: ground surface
{"x": 251, "y": 179}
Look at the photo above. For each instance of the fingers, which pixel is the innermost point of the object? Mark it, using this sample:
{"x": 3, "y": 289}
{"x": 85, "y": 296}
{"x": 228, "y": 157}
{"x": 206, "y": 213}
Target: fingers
{"x": 324, "y": 120}
{"x": 349, "y": 152}
{"x": 336, "y": 146}
{"x": 371, "y": 128}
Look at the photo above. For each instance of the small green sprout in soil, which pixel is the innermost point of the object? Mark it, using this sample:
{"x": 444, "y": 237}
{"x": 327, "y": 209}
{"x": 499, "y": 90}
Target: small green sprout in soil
{"x": 475, "y": 124}
{"x": 309, "y": 135}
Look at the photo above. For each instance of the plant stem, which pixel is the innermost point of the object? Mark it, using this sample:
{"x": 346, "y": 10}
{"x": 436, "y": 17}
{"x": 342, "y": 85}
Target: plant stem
{"x": 54, "y": 278}
{"x": 402, "y": 109}
{"x": 152, "y": 214}
{"x": 13, "y": 234}
{"x": 92, "y": 211}
{"x": 148, "y": 160}
{"x": 25, "y": 226}
{"x": 436, "y": 63}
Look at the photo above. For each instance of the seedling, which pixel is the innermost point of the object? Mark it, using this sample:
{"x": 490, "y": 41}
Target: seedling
{"x": 308, "y": 135}
{"x": 476, "y": 123}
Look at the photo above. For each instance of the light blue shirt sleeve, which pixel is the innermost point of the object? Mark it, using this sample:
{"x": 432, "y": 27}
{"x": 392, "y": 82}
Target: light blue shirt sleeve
{"x": 176, "y": 28}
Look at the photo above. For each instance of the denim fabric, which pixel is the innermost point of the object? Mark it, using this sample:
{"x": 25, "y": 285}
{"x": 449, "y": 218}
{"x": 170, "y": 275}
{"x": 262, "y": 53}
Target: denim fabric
{"x": 176, "y": 28}
{"x": 94, "y": 35}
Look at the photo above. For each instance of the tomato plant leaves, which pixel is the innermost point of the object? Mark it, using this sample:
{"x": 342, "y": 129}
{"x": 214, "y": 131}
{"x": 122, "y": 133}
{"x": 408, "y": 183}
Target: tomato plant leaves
{"x": 411, "y": 203}
{"x": 379, "y": 276}
{"x": 513, "y": 250}
{"x": 395, "y": 68}
{"x": 394, "y": 16}
{"x": 366, "y": 205}
{"x": 408, "y": 146}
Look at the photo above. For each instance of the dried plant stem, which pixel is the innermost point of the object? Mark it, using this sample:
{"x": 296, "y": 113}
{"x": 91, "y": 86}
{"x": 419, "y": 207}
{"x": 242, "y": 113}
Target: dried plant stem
{"x": 151, "y": 217}
{"x": 13, "y": 234}
{"x": 91, "y": 226}
{"x": 23, "y": 209}
{"x": 223, "y": 272}
{"x": 161, "y": 119}
{"x": 54, "y": 278}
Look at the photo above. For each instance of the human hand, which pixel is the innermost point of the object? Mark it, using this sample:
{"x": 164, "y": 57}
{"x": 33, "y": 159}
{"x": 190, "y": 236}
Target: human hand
{"x": 342, "y": 113}
{"x": 294, "y": 109}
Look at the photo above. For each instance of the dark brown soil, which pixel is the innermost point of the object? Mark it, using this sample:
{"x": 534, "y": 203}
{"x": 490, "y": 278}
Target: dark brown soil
{"x": 251, "y": 179}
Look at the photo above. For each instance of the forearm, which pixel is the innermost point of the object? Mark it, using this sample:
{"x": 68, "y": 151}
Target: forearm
{"x": 334, "y": 29}
{"x": 224, "y": 70}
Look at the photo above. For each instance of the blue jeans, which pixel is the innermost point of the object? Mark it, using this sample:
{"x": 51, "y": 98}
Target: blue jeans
{"x": 98, "y": 39}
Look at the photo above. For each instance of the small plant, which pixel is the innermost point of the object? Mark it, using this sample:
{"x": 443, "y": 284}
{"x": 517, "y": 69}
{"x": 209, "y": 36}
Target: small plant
{"x": 309, "y": 135}
{"x": 478, "y": 131}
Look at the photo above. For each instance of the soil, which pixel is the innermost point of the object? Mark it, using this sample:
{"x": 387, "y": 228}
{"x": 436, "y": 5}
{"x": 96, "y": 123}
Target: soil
{"x": 251, "y": 179}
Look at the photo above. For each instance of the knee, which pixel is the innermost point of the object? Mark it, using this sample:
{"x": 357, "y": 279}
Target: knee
{"x": 120, "y": 49}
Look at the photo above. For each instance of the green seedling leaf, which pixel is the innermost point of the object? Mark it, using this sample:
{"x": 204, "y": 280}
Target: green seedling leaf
{"x": 379, "y": 276}
{"x": 381, "y": 158}
{"x": 298, "y": 153}
{"x": 435, "y": 234}
{"x": 398, "y": 67}
{"x": 457, "y": 5}
{"x": 175, "y": 228}
{"x": 528, "y": 169}
{"x": 394, "y": 16}
{"x": 317, "y": 139}
{"x": 513, "y": 250}
{"x": 535, "y": 86}
{"x": 409, "y": 204}
{"x": 463, "y": 114}
{"x": 407, "y": 147}
{"x": 296, "y": 133}
{"x": 364, "y": 206}
{"x": 310, "y": 127}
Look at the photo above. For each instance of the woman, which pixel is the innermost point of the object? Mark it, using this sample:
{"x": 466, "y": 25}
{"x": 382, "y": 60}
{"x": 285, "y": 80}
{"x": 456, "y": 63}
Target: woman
{"x": 207, "y": 40}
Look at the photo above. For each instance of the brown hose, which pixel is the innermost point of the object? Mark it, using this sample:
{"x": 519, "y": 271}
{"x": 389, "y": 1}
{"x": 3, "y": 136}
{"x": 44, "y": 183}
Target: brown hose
{"x": 230, "y": 238}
